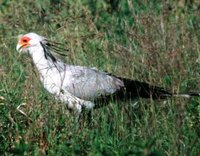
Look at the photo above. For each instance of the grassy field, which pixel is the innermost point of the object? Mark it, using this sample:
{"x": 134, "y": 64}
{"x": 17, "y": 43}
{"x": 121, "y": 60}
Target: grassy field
{"x": 153, "y": 41}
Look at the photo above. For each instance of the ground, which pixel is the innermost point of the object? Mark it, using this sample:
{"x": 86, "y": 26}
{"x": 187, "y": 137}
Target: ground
{"x": 152, "y": 41}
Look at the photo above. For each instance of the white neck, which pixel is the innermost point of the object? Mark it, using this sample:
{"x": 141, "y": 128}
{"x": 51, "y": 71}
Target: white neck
{"x": 38, "y": 56}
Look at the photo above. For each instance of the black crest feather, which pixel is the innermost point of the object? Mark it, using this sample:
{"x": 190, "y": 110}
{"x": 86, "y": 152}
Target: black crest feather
{"x": 47, "y": 53}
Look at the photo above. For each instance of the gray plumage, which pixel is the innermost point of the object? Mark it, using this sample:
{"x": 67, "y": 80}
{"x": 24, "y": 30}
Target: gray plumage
{"x": 79, "y": 86}
{"x": 88, "y": 84}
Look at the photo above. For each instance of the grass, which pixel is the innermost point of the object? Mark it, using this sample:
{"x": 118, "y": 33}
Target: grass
{"x": 151, "y": 41}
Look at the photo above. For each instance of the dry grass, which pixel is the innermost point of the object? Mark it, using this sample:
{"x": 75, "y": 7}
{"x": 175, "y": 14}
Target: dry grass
{"x": 156, "y": 42}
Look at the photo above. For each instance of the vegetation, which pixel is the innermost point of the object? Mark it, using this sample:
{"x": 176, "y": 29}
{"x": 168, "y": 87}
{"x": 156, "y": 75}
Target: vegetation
{"x": 152, "y": 41}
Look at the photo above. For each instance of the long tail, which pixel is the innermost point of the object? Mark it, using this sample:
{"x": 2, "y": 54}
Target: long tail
{"x": 134, "y": 89}
{"x": 187, "y": 95}
{"x": 144, "y": 90}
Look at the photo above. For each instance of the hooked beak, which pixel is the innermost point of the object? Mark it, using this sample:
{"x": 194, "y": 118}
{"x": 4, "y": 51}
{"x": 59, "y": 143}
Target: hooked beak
{"x": 22, "y": 48}
{"x": 19, "y": 48}
{"x": 22, "y": 44}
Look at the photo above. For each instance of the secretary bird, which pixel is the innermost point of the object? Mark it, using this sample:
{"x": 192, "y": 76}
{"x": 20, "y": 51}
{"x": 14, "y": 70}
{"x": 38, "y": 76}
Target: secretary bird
{"x": 82, "y": 87}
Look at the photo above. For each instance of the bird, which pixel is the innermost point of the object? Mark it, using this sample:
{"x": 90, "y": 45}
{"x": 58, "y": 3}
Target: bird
{"x": 80, "y": 87}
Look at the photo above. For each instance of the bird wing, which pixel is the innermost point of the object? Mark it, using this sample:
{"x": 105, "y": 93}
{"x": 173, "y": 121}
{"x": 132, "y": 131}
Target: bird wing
{"x": 89, "y": 83}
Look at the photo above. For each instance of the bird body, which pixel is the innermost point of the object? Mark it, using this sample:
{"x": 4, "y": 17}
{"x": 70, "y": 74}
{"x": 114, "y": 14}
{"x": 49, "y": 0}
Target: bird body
{"x": 78, "y": 86}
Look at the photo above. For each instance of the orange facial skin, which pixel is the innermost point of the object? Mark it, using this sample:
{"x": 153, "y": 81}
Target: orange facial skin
{"x": 24, "y": 41}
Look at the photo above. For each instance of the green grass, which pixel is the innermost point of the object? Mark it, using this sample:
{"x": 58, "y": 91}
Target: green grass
{"x": 151, "y": 41}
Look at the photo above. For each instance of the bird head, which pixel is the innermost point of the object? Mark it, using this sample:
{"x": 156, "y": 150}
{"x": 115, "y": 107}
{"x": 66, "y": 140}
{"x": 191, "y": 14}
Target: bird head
{"x": 29, "y": 40}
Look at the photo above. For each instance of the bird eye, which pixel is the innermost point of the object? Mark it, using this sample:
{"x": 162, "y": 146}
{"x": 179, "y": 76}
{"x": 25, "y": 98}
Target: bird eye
{"x": 24, "y": 40}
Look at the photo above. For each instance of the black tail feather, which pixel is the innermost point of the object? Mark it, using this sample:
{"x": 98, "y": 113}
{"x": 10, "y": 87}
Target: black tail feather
{"x": 135, "y": 88}
{"x": 194, "y": 94}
